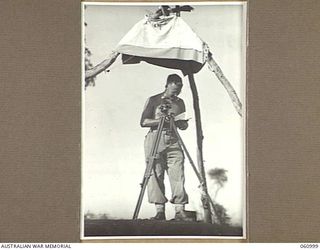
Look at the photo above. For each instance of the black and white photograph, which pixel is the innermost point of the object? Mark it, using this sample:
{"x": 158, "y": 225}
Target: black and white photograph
{"x": 163, "y": 120}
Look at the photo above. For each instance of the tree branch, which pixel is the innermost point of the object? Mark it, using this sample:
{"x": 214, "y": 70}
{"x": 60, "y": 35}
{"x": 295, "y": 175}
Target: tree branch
{"x": 214, "y": 67}
{"x": 90, "y": 73}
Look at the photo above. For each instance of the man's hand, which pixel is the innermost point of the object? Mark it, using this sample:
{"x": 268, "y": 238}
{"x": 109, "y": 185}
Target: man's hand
{"x": 182, "y": 124}
{"x": 150, "y": 122}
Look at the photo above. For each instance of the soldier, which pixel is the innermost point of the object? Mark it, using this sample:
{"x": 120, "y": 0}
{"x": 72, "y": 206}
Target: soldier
{"x": 170, "y": 156}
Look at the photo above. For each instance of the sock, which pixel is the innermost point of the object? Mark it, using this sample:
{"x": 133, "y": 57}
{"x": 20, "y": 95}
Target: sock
{"x": 160, "y": 207}
{"x": 179, "y": 207}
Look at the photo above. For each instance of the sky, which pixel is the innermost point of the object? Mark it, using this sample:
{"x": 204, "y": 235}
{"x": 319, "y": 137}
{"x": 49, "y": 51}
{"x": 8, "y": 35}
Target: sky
{"x": 112, "y": 146}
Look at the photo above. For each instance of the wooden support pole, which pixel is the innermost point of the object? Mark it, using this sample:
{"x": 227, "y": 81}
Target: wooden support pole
{"x": 214, "y": 67}
{"x": 204, "y": 197}
{"x": 90, "y": 73}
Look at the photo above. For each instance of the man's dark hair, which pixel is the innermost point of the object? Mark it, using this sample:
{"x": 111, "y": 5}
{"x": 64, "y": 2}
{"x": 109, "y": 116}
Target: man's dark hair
{"x": 173, "y": 78}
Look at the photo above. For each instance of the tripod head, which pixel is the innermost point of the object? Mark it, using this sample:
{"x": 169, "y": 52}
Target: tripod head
{"x": 165, "y": 106}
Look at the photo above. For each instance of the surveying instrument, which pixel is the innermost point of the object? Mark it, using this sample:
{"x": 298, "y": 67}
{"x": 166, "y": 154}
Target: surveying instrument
{"x": 167, "y": 118}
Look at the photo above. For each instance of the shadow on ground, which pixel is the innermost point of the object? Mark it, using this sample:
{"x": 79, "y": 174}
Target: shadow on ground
{"x": 106, "y": 227}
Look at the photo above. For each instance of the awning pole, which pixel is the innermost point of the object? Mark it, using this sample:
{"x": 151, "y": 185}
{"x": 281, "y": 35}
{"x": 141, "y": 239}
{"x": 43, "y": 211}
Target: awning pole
{"x": 214, "y": 67}
{"x": 204, "y": 196}
{"x": 101, "y": 66}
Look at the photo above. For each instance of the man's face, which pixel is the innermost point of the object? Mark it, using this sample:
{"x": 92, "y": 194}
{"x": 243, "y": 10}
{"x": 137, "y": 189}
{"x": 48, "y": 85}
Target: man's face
{"x": 174, "y": 88}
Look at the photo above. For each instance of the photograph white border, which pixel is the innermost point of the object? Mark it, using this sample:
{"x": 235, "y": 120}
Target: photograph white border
{"x": 244, "y": 86}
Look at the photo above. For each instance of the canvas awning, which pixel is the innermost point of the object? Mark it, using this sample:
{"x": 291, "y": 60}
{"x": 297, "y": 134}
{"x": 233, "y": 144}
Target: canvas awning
{"x": 167, "y": 41}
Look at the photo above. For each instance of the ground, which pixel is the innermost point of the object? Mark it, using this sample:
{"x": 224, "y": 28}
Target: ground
{"x": 105, "y": 227}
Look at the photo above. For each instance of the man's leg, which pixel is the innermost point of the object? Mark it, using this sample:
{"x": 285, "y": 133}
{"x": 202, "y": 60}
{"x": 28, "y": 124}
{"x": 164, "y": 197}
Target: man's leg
{"x": 156, "y": 189}
{"x": 175, "y": 160}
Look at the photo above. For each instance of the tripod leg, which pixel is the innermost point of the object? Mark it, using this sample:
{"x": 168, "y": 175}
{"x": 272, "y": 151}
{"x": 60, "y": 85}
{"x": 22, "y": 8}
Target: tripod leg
{"x": 149, "y": 168}
{"x": 182, "y": 145}
{"x": 140, "y": 198}
{"x": 184, "y": 148}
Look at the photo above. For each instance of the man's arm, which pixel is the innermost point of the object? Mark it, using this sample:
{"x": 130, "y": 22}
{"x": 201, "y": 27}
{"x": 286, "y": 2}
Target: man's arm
{"x": 149, "y": 122}
{"x": 182, "y": 124}
{"x": 147, "y": 119}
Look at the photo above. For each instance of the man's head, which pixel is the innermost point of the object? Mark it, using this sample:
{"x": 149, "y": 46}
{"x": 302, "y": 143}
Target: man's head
{"x": 174, "y": 84}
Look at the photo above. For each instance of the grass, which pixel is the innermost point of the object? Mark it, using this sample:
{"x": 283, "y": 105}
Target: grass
{"x": 107, "y": 227}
